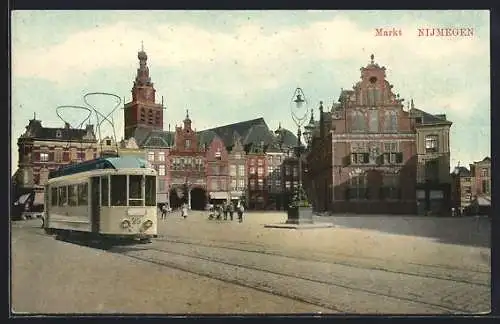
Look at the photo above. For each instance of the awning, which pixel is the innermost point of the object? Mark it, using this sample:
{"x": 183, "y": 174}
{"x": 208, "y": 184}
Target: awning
{"x": 22, "y": 199}
{"x": 483, "y": 201}
{"x": 39, "y": 198}
{"x": 218, "y": 195}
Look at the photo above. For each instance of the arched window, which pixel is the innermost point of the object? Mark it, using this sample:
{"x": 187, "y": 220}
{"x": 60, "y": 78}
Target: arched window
{"x": 373, "y": 119}
{"x": 150, "y": 117}
{"x": 158, "y": 118}
{"x": 371, "y": 96}
{"x": 391, "y": 121}
{"x": 358, "y": 122}
{"x": 143, "y": 115}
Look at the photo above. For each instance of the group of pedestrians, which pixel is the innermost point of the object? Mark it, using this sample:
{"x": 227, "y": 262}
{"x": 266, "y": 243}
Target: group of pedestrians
{"x": 166, "y": 209}
{"x": 226, "y": 210}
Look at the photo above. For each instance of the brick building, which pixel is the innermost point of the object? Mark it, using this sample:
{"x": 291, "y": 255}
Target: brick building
{"x": 43, "y": 149}
{"x": 481, "y": 173}
{"x": 364, "y": 152}
{"x": 188, "y": 168}
{"x": 461, "y": 188}
{"x": 217, "y": 171}
{"x": 237, "y": 170}
{"x": 142, "y": 111}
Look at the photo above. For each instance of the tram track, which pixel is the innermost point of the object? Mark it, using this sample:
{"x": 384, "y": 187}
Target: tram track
{"x": 337, "y": 296}
{"x": 461, "y": 275}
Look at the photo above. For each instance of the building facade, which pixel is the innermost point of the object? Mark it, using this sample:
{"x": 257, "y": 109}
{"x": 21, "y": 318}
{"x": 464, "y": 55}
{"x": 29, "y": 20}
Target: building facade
{"x": 237, "y": 170}
{"x": 217, "y": 171}
{"x": 481, "y": 173}
{"x": 43, "y": 149}
{"x": 142, "y": 111}
{"x": 433, "y": 162}
{"x": 187, "y": 168}
{"x": 461, "y": 189}
{"x": 257, "y": 197}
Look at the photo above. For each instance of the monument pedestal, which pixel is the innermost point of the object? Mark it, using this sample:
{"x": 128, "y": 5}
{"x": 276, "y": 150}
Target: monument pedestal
{"x": 300, "y": 218}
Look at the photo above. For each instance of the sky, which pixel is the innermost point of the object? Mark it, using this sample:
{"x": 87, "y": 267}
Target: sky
{"x": 230, "y": 66}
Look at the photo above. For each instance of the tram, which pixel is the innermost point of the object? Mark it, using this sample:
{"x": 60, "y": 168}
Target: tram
{"x": 112, "y": 197}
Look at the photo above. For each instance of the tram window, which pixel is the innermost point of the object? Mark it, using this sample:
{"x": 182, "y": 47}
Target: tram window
{"x": 150, "y": 191}
{"x": 135, "y": 190}
{"x": 83, "y": 194}
{"x": 73, "y": 195}
{"x": 104, "y": 191}
{"x": 63, "y": 201}
{"x": 118, "y": 191}
{"x": 53, "y": 196}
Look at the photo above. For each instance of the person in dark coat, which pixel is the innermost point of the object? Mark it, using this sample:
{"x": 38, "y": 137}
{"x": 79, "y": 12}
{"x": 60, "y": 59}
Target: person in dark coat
{"x": 231, "y": 210}
{"x": 225, "y": 207}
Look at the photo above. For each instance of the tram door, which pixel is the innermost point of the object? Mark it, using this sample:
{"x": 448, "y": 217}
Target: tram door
{"x": 95, "y": 206}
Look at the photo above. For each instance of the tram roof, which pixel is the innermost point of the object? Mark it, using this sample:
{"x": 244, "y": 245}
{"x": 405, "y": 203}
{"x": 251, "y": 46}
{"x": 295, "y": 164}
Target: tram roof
{"x": 123, "y": 162}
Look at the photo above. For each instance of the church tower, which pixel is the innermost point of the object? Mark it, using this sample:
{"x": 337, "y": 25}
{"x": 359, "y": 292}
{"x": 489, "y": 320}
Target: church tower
{"x": 143, "y": 111}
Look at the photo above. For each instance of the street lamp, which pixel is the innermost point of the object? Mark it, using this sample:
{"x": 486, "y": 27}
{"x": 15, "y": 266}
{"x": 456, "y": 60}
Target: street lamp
{"x": 299, "y": 112}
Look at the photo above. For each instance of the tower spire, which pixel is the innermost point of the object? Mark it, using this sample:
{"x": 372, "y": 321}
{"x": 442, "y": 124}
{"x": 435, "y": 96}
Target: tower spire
{"x": 372, "y": 57}
{"x": 142, "y": 46}
{"x": 411, "y": 104}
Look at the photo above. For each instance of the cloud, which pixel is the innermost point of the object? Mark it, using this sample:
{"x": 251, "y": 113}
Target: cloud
{"x": 261, "y": 57}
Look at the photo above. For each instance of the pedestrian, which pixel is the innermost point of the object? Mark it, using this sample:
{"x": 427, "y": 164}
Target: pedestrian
{"x": 218, "y": 211}
{"x": 240, "y": 209}
{"x": 225, "y": 206}
{"x": 231, "y": 210}
{"x": 184, "y": 210}
{"x": 164, "y": 211}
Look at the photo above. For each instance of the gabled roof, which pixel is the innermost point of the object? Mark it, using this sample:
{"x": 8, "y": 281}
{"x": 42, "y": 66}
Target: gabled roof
{"x": 429, "y": 119}
{"x": 226, "y": 132}
{"x": 36, "y": 130}
{"x": 462, "y": 171}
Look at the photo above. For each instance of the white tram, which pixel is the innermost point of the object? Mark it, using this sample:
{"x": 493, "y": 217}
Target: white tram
{"x": 112, "y": 197}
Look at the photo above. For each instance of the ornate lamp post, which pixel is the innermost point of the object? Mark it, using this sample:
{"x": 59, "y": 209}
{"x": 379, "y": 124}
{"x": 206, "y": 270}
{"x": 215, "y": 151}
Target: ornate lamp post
{"x": 299, "y": 211}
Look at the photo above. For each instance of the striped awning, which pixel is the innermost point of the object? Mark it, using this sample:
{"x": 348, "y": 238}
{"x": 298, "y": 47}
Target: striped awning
{"x": 218, "y": 195}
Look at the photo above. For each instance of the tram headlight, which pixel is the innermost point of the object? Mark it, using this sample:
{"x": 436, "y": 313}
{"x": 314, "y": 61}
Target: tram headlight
{"x": 125, "y": 224}
{"x": 148, "y": 224}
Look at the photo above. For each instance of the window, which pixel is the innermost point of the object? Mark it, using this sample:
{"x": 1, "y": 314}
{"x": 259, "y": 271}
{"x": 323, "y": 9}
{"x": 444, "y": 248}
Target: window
{"x": 260, "y": 183}
{"x": 161, "y": 170}
{"x": 431, "y": 143}
{"x": 73, "y": 195}
{"x": 431, "y": 170}
{"x": 73, "y": 155}
{"x": 58, "y": 156}
{"x": 237, "y": 156}
{"x": 118, "y": 194}
{"x": 252, "y": 170}
{"x": 53, "y": 196}
{"x": 161, "y": 185}
{"x": 135, "y": 190}
{"x": 360, "y": 158}
{"x": 62, "y": 194}
{"x": 484, "y": 172}
{"x": 104, "y": 191}
{"x": 287, "y": 170}
{"x": 150, "y": 189}
{"x": 241, "y": 170}
{"x": 270, "y": 169}
{"x": 143, "y": 115}
{"x": 391, "y": 121}
{"x": 158, "y": 118}
{"x": 252, "y": 184}
{"x": 260, "y": 171}
{"x": 161, "y": 156}
{"x": 251, "y": 162}
{"x": 295, "y": 171}
{"x": 108, "y": 142}
{"x": 151, "y": 156}
{"x": 373, "y": 120}
{"x": 467, "y": 189}
{"x": 260, "y": 162}
{"x": 358, "y": 121}
{"x": 218, "y": 154}
{"x": 187, "y": 144}
{"x": 241, "y": 184}
{"x": 58, "y": 134}
{"x": 277, "y": 183}
{"x": 44, "y": 157}
{"x": 371, "y": 96}
{"x": 233, "y": 184}
{"x": 288, "y": 184}
{"x": 357, "y": 187}
{"x": 83, "y": 194}
{"x": 150, "y": 116}
{"x": 232, "y": 170}
{"x": 485, "y": 186}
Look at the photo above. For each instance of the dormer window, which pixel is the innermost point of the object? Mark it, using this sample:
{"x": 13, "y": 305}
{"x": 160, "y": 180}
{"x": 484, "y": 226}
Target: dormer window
{"x": 218, "y": 154}
{"x": 58, "y": 134}
{"x": 431, "y": 143}
{"x": 418, "y": 120}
